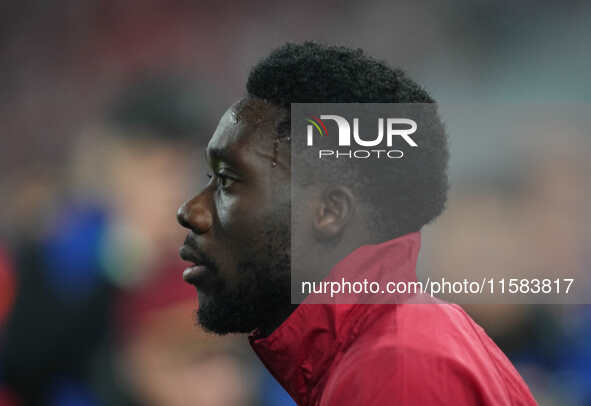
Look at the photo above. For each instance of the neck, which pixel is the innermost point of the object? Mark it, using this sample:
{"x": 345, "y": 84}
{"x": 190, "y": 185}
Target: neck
{"x": 345, "y": 246}
{"x": 271, "y": 325}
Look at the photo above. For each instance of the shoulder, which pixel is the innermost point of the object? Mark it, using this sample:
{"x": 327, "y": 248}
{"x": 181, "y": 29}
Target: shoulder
{"x": 404, "y": 375}
{"x": 431, "y": 327}
{"x": 425, "y": 354}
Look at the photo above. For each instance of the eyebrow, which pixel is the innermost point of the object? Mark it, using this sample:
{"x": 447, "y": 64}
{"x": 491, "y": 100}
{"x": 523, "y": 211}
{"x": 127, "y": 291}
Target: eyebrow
{"x": 215, "y": 155}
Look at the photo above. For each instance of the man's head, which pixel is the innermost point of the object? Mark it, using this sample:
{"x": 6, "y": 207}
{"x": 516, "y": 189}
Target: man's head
{"x": 240, "y": 223}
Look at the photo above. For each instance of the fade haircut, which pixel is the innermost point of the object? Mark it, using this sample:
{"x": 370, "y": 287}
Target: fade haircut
{"x": 315, "y": 73}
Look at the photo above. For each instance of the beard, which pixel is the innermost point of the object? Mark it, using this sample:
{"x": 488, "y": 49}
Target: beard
{"x": 261, "y": 298}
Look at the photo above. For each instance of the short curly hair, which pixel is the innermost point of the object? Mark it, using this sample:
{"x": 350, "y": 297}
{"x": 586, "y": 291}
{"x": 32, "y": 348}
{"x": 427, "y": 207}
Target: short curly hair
{"x": 315, "y": 73}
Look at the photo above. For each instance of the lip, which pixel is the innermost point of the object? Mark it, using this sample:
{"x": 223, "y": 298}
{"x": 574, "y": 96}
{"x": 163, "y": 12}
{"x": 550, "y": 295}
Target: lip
{"x": 197, "y": 274}
{"x": 188, "y": 254}
{"x": 194, "y": 275}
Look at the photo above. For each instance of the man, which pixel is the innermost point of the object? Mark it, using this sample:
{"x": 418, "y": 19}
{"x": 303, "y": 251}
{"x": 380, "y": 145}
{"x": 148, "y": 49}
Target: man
{"x": 239, "y": 243}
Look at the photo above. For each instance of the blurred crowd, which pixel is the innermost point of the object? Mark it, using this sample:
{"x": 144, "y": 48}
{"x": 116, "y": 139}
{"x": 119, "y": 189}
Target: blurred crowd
{"x": 95, "y": 310}
{"x": 107, "y": 107}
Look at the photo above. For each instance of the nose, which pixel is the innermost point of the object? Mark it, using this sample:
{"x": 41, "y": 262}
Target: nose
{"x": 195, "y": 216}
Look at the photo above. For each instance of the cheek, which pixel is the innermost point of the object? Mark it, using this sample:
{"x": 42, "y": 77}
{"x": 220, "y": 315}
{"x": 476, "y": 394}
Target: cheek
{"x": 228, "y": 209}
{"x": 239, "y": 219}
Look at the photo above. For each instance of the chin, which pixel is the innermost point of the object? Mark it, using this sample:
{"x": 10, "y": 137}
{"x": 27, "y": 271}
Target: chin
{"x": 220, "y": 317}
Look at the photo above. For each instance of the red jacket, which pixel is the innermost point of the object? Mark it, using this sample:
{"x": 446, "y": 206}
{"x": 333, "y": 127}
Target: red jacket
{"x": 388, "y": 354}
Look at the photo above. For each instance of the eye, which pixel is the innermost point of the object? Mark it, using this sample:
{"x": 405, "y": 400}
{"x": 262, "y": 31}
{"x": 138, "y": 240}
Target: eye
{"x": 224, "y": 181}
{"x": 221, "y": 180}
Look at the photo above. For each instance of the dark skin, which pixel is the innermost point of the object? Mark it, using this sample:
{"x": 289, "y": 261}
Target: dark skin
{"x": 240, "y": 225}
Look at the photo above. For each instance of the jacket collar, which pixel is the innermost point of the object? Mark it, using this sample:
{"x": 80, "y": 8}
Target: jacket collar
{"x": 301, "y": 350}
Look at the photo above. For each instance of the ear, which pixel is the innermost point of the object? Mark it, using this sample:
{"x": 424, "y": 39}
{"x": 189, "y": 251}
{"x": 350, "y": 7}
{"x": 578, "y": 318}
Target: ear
{"x": 334, "y": 211}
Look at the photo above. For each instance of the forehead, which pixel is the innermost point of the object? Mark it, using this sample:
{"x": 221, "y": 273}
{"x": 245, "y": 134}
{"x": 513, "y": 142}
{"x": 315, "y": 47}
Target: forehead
{"x": 227, "y": 133}
{"x": 244, "y": 127}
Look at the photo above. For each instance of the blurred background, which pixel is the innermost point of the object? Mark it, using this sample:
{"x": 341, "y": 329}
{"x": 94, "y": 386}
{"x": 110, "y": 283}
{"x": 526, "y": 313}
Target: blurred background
{"x": 106, "y": 106}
